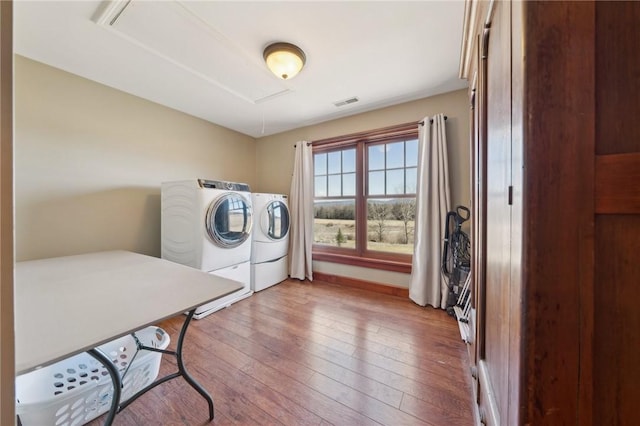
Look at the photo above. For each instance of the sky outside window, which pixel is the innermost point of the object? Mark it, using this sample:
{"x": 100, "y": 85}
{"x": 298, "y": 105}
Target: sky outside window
{"x": 335, "y": 173}
{"x": 395, "y": 155}
{"x": 375, "y": 218}
{"x": 392, "y": 168}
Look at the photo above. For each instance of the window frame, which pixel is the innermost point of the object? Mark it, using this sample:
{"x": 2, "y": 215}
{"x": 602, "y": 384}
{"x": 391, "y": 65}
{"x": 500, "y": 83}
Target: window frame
{"x": 361, "y": 255}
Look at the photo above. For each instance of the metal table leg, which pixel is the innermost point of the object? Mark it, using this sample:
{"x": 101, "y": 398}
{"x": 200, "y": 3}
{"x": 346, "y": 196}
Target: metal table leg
{"x": 115, "y": 378}
{"x": 182, "y": 371}
{"x": 117, "y": 406}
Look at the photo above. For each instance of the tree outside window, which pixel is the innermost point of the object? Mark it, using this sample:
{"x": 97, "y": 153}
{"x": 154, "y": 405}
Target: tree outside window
{"x": 364, "y": 197}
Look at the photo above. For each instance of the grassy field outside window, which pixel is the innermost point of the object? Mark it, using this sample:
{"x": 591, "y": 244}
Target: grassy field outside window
{"x": 364, "y": 197}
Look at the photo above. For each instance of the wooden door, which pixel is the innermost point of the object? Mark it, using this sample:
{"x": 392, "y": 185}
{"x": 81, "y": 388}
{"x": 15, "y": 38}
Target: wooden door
{"x": 477, "y": 200}
{"x": 616, "y": 291}
{"x": 558, "y": 320}
{"x": 493, "y": 346}
{"x": 557, "y": 266}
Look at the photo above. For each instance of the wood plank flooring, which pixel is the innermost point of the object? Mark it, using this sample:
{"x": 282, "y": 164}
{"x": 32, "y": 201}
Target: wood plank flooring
{"x": 316, "y": 354}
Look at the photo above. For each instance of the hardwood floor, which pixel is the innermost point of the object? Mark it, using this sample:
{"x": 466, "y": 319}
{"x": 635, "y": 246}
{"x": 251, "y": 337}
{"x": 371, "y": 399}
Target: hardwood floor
{"x": 316, "y": 354}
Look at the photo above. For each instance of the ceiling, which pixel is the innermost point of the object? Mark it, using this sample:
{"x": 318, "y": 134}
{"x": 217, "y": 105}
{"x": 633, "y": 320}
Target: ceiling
{"x": 205, "y": 57}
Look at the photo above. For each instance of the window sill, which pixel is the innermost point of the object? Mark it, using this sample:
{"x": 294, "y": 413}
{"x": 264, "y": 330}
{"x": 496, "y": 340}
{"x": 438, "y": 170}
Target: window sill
{"x": 366, "y": 262}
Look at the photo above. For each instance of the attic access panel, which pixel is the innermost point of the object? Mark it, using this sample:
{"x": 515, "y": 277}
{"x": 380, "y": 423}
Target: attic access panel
{"x": 176, "y": 34}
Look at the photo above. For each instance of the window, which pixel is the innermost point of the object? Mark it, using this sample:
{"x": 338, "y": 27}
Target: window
{"x": 335, "y": 198}
{"x": 391, "y": 195}
{"x": 364, "y": 198}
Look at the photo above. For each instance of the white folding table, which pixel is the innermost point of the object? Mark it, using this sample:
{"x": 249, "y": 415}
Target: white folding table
{"x": 72, "y": 304}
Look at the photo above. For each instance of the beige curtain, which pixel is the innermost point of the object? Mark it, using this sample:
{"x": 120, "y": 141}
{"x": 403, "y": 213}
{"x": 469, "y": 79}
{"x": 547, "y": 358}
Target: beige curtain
{"x": 427, "y": 286}
{"x": 301, "y": 210}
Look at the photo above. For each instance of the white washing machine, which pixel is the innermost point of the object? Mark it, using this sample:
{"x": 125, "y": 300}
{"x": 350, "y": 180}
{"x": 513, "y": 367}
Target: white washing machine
{"x": 270, "y": 240}
{"x": 206, "y": 224}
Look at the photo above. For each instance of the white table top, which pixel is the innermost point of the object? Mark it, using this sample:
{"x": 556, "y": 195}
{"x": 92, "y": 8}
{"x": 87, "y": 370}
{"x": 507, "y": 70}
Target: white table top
{"x": 67, "y": 305}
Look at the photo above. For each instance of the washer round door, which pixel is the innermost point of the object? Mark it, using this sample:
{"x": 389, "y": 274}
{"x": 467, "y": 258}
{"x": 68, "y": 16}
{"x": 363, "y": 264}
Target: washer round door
{"x": 229, "y": 220}
{"x": 275, "y": 220}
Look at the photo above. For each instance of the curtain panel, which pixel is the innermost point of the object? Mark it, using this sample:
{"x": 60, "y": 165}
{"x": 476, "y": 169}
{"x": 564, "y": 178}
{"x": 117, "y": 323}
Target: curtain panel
{"x": 428, "y": 286}
{"x": 301, "y": 210}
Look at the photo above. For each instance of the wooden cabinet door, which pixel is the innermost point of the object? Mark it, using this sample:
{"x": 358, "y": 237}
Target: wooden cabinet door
{"x": 477, "y": 226}
{"x": 494, "y": 300}
{"x": 616, "y": 289}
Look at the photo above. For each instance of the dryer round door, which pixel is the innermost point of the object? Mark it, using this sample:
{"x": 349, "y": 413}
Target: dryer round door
{"x": 275, "y": 220}
{"x": 228, "y": 220}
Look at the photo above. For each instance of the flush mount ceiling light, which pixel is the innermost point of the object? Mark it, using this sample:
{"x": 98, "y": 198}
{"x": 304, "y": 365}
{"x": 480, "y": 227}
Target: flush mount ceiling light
{"x": 284, "y": 59}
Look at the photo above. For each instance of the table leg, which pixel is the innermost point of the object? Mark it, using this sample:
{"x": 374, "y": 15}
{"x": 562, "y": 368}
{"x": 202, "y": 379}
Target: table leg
{"x": 183, "y": 371}
{"x": 117, "y": 406}
{"x": 115, "y": 378}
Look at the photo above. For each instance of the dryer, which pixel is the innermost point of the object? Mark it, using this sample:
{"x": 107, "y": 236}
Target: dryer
{"x": 206, "y": 224}
{"x": 270, "y": 240}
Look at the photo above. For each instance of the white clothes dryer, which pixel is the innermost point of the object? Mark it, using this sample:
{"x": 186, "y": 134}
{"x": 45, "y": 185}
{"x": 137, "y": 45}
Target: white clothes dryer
{"x": 270, "y": 240}
{"x": 206, "y": 224}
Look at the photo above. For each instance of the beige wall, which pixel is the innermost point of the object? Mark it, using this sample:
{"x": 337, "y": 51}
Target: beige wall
{"x": 89, "y": 161}
{"x": 275, "y": 154}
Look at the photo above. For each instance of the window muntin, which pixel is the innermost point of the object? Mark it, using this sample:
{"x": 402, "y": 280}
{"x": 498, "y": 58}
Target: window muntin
{"x": 392, "y": 168}
{"x": 390, "y": 205}
{"x": 373, "y": 214}
{"x": 334, "y": 203}
{"x": 335, "y": 173}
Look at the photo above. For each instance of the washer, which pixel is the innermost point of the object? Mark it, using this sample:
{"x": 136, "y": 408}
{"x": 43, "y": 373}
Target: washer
{"x": 206, "y": 224}
{"x": 270, "y": 240}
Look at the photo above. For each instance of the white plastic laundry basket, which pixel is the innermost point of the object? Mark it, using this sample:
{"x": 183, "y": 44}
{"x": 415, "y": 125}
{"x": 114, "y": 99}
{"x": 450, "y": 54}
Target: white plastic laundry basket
{"x": 78, "y": 389}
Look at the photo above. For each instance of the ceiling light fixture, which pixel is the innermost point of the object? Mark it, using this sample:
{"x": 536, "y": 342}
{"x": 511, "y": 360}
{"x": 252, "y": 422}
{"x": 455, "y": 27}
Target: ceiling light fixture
{"x": 285, "y": 60}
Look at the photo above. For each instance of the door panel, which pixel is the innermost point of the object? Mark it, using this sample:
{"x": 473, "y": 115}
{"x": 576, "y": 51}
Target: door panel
{"x": 617, "y": 321}
{"x": 498, "y": 234}
{"x": 616, "y": 292}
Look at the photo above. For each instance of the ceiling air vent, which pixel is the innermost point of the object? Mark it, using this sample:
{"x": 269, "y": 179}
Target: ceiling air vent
{"x": 346, "y": 102}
